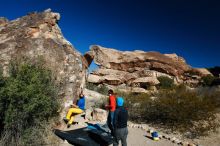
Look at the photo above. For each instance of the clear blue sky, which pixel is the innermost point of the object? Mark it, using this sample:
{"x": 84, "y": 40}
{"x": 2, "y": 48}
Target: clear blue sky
{"x": 190, "y": 28}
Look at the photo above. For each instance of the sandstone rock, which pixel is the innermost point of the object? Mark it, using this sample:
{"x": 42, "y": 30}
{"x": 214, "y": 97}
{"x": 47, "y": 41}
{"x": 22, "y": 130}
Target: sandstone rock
{"x": 92, "y": 98}
{"x": 94, "y": 78}
{"x": 175, "y": 57}
{"x": 88, "y": 113}
{"x": 100, "y": 115}
{"x": 139, "y": 69}
{"x": 127, "y": 89}
{"x": 38, "y": 35}
{"x": 88, "y": 58}
{"x": 185, "y": 143}
{"x": 191, "y": 144}
{"x": 80, "y": 118}
{"x": 113, "y": 59}
{"x": 149, "y": 80}
{"x": 165, "y": 136}
{"x": 173, "y": 139}
{"x": 3, "y": 21}
{"x": 103, "y": 72}
{"x": 203, "y": 71}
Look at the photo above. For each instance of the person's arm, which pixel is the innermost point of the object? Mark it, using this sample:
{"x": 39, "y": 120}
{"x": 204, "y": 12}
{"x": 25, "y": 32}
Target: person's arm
{"x": 74, "y": 106}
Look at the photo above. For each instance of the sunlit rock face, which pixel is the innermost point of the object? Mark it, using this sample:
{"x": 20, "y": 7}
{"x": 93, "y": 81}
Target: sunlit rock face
{"x": 140, "y": 68}
{"x": 38, "y": 35}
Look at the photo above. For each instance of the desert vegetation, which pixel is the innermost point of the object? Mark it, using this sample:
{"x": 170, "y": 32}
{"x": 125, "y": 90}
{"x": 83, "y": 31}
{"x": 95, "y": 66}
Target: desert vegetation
{"x": 98, "y": 88}
{"x": 175, "y": 108}
{"x": 28, "y": 104}
{"x": 165, "y": 82}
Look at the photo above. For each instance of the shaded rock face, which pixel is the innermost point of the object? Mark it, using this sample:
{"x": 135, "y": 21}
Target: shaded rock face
{"x": 136, "y": 68}
{"x": 38, "y": 34}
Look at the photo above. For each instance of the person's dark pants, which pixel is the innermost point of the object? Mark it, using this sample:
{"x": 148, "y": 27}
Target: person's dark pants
{"x": 120, "y": 134}
{"x": 110, "y": 121}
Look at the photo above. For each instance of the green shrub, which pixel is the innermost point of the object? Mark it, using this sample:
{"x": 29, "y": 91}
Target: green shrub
{"x": 136, "y": 103}
{"x": 178, "y": 109}
{"x": 215, "y": 70}
{"x": 27, "y": 98}
{"x": 207, "y": 80}
{"x": 98, "y": 88}
{"x": 165, "y": 82}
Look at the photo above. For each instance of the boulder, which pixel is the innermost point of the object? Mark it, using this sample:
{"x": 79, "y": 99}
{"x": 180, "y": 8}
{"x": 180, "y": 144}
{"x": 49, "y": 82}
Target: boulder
{"x": 140, "y": 69}
{"x": 124, "y": 61}
{"x": 37, "y": 35}
{"x": 127, "y": 89}
{"x": 147, "y": 80}
{"x": 112, "y": 80}
{"x": 100, "y": 115}
{"x": 3, "y": 21}
{"x": 94, "y": 78}
{"x": 88, "y": 113}
{"x": 203, "y": 71}
{"x": 93, "y": 98}
{"x": 103, "y": 72}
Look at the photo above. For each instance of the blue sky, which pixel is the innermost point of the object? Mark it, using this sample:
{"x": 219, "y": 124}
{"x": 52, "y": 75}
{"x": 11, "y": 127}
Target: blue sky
{"x": 189, "y": 28}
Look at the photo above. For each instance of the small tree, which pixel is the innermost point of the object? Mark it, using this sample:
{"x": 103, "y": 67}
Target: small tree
{"x": 207, "y": 80}
{"x": 165, "y": 82}
{"x": 28, "y": 98}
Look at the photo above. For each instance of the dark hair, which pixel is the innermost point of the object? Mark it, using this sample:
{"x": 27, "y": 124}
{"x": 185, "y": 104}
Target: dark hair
{"x": 110, "y": 91}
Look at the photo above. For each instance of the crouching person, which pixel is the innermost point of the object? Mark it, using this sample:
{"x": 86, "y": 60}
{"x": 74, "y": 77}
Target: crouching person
{"x": 120, "y": 123}
{"x": 75, "y": 109}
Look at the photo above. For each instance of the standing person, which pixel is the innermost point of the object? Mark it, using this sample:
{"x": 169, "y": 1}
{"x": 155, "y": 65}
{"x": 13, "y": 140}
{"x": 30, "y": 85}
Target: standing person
{"x": 75, "y": 109}
{"x": 120, "y": 123}
{"x": 111, "y": 107}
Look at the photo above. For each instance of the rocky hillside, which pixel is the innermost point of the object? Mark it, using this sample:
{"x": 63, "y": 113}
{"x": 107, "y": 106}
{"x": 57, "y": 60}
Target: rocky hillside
{"x": 138, "y": 68}
{"x": 38, "y": 34}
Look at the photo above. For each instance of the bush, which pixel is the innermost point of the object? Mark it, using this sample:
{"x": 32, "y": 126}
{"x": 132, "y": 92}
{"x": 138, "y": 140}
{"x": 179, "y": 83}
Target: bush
{"x": 215, "y": 70}
{"x": 165, "y": 82}
{"x": 27, "y": 98}
{"x": 136, "y": 103}
{"x": 98, "y": 88}
{"x": 207, "y": 80}
{"x": 178, "y": 109}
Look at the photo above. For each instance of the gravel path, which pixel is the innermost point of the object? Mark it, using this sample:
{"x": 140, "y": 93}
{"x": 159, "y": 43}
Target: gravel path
{"x": 137, "y": 137}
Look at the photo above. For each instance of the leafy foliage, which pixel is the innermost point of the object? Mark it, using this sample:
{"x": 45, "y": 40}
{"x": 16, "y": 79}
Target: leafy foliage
{"x": 207, "y": 80}
{"x": 215, "y": 70}
{"x": 28, "y": 97}
{"x": 177, "y": 109}
{"x": 98, "y": 88}
{"x": 165, "y": 82}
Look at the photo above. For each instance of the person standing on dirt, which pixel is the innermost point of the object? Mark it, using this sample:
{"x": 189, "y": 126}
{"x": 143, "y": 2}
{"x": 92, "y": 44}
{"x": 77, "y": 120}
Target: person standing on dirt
{"x": 111, "y": 107}
{"x": 120, "y": 123}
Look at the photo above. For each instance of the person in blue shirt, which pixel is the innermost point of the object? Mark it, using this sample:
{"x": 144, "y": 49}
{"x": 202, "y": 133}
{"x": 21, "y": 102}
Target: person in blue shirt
{"x": 75, "y": 109}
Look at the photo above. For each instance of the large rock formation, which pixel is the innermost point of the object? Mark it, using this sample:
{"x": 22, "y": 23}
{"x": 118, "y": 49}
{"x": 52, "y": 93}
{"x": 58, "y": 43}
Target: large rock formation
{"x": 137, "y": 68}
{"x": 38, "y": 34}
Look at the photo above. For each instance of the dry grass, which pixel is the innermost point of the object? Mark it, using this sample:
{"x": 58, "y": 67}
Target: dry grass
{"x": 176, "y": 109}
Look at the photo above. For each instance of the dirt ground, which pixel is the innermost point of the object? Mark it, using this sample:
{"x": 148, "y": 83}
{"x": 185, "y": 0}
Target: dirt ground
{"x": 136, "y": 137}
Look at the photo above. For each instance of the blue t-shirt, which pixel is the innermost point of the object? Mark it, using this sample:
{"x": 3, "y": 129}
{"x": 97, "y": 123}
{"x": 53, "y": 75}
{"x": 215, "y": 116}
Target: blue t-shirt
{"x": 81, "y": 103}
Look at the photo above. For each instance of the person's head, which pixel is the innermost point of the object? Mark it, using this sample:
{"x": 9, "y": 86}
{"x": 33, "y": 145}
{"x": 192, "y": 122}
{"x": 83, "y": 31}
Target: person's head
{"x": 120, "y": 101}
{"x": 81, "y": 95}
{"x": 110, "y": 92}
